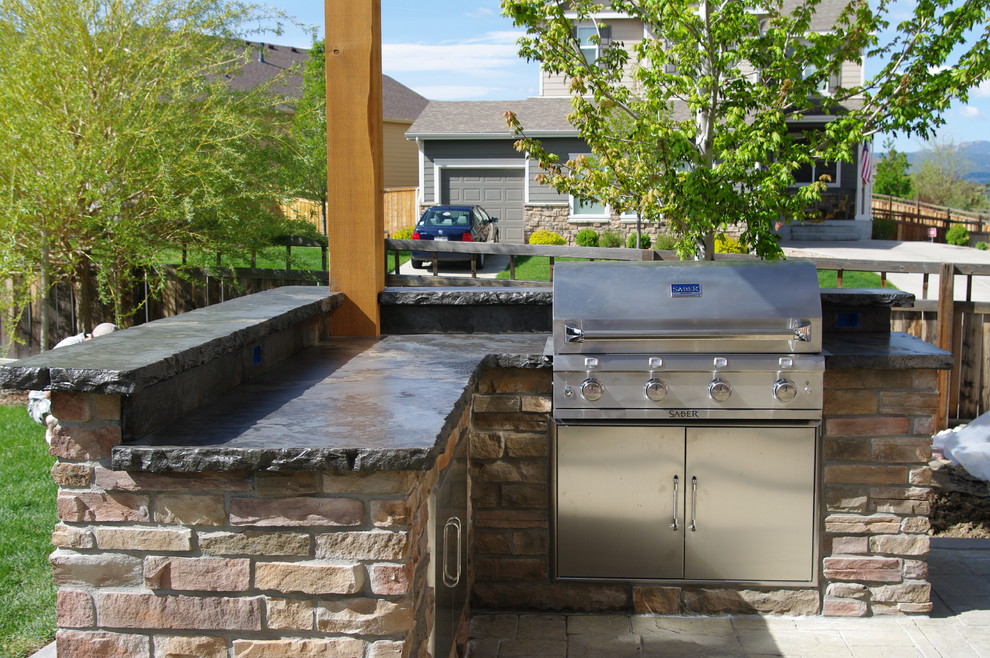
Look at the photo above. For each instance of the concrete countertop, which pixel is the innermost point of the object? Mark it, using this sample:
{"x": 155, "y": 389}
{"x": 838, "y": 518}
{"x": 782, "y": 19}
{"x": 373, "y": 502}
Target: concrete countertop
{"x": 895, "y": 350}
{"x": 347, "y": 404}
{"x": 128, "y": 361}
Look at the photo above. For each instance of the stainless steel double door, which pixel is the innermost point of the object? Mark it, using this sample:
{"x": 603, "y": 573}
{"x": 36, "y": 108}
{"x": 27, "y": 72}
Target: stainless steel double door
{"x": 692, "y": 503}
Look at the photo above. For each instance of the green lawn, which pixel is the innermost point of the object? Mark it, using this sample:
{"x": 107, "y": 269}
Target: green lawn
{"x": 537, "y": 268}
{"x": 27, "y": 517}
{"x": 303, "y": 258}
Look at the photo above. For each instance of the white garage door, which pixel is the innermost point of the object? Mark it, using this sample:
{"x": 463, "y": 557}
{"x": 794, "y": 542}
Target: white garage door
{"x": 498, "y": 191}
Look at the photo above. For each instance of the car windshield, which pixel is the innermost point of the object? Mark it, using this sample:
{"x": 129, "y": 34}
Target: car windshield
{"x": 446, "y": 217}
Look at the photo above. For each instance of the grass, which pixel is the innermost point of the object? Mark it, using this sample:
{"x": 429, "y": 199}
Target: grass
{"x": 27, "y": 517}
{"x": 303, "y": 258}
{"x": 537, "y": 268}
{"x": 533, "y": 268}
{"x": 828, "y": 279}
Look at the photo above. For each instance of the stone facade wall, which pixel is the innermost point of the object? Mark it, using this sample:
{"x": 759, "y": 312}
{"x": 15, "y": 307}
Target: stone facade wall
{"x": 557, "y": 220}
{"x": 877, "y": 430}
{"x": 234, "y": 564}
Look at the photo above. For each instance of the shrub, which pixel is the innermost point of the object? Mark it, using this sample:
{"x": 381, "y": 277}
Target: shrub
{"x": 644, "y": 241}
{"x": 610, "y": 239}
{"x": 884, "y": 228}
{"x": 665, "y": 242}
{"x": 957, "y": 235}
{"x": 729, "y": 245}
{"x": 982, "y": 246}
{"x": 587, "y": 238}
{"x": 403, "y": 233}
{"x": 546, "y": 237}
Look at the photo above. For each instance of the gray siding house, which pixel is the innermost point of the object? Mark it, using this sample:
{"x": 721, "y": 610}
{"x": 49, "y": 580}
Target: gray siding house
{"x": 466, "y": 155}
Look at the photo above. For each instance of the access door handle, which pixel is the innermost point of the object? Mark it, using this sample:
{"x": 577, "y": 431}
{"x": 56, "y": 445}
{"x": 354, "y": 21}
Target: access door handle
{"x": 451, "y": 579}
{"x": 694, "y": 504}
{"x": 674, "y": 525}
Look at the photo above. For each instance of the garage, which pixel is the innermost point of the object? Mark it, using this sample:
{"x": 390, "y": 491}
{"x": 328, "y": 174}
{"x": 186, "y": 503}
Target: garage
{"x": 499, "y": 191}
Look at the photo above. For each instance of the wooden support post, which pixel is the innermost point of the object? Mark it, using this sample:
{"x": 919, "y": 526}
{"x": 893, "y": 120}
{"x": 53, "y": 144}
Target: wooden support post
{"x": 355, "y": 205}
{"x": 943, "y": 337}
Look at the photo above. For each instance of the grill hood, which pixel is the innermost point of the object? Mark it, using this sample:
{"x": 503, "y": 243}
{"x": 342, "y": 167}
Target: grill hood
{"x": 681, "y": 307}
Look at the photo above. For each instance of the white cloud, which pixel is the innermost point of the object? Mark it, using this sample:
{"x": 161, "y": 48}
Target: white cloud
{"x": 476, "y": 58}
{"x": 499, "y": 37}
{"x": 982, "y": 90}
{"x": 480, "y": 12}
{"x": 971, "y": 112}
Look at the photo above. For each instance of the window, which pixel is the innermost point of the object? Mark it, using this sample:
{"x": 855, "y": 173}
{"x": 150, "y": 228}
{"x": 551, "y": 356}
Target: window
{"x": 808, "y": 174}
{"x": 588, "y": 47}
{"x": 824, "y": 86}
{"x": 587, "y": 36}
{"x": 588, "y": 210}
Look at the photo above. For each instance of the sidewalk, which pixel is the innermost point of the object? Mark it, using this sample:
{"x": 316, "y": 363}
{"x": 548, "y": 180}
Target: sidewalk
{"x": 959, "y": 626}
{"x": 891, "y": 250}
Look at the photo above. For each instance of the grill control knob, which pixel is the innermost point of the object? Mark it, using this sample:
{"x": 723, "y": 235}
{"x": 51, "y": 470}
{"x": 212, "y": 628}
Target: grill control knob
{"x": 591, "y": 390}
{"x": 655, "y": 390}
{"x": 719, "y": 390}
{"x": 784, "y": 390}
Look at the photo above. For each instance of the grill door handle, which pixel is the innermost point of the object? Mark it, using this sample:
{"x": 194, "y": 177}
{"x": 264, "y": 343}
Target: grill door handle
{"x": 694, "y": 504}
{"x": 800, "y": 332}
{"x": 674, "y": 525}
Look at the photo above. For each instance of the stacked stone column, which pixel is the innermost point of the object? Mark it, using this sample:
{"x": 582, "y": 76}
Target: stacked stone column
{"x": 877, "y": 445}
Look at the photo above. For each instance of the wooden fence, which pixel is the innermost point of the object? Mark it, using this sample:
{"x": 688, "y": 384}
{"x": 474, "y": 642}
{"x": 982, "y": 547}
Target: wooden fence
{"x": 913, "y": 219}
{"x": 401, "y": 210}
{"x": 194, "y": 289}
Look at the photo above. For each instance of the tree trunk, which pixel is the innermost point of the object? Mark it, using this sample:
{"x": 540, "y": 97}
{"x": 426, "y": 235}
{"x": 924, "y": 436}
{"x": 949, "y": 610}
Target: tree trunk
{"x": 44, "y": 341}
{"x": 86, "y": 297}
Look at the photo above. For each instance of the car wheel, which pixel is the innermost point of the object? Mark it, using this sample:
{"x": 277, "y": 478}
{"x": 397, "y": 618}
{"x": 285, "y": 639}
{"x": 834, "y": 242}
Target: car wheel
{"x": 417, "y": 264}
{"x": 481, "y": 261}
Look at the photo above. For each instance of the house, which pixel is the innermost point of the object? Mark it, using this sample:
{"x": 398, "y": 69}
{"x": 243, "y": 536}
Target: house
{"x": 466, "y": 155}
{"x": 400, "y": 104}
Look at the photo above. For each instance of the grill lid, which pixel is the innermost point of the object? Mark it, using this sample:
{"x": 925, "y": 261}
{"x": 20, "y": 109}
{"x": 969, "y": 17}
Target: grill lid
{"x": 728, "y": 306}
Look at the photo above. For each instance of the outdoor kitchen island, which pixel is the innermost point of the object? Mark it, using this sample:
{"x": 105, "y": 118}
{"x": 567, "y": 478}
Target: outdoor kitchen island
{"x": 297, "y": 513}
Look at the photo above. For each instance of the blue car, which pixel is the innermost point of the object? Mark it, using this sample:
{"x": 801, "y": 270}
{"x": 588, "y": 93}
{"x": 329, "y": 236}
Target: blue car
{"x": 453, "y": 224}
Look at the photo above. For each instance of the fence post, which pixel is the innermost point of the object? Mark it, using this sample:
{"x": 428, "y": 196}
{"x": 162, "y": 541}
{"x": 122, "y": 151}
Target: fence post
{"x": 944, "y": 322}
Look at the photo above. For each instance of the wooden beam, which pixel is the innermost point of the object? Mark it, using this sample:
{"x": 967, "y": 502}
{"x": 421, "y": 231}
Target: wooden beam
{"x": 355, "y": 207}
{"x": 944, "y": 323}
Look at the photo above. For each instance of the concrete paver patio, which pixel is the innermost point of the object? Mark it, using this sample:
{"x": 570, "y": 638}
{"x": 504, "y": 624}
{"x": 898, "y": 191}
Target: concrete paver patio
{"x": 959, "y": 626}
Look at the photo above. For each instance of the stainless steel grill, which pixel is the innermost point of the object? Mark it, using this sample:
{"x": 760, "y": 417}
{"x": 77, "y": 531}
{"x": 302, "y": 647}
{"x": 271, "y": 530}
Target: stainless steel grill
{"x": 686, "y": 403}
{"x": 698, "y": 340}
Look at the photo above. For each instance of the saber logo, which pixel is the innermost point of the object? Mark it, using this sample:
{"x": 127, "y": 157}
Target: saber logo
{"x": 682, "y": 413}
{"x": 685, "y": 290}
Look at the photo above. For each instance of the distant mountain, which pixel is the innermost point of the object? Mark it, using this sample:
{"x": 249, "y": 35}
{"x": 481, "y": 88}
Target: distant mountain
{"x": 977, "y": 158}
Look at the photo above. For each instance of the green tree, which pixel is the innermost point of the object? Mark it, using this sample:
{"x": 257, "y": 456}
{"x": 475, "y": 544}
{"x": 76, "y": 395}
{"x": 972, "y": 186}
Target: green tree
{"x": 939, "y": 177}
{"x": 122, "y": 137}
{"x": 892, "y": 173}
{"x": 308, "y": 173}
{"x": 706, "y": 121}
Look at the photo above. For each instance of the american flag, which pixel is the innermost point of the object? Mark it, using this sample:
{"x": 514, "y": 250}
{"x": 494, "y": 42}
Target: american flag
{"x": 866, "y": 165}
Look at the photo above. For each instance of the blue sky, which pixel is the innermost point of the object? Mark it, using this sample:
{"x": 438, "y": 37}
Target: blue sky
{"x": 465, "y": 50}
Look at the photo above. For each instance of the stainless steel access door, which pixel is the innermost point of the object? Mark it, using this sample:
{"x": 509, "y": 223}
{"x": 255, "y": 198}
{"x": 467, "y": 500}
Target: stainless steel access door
{"x": 751, "y": 498}
{"x": 616, "y": 515}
